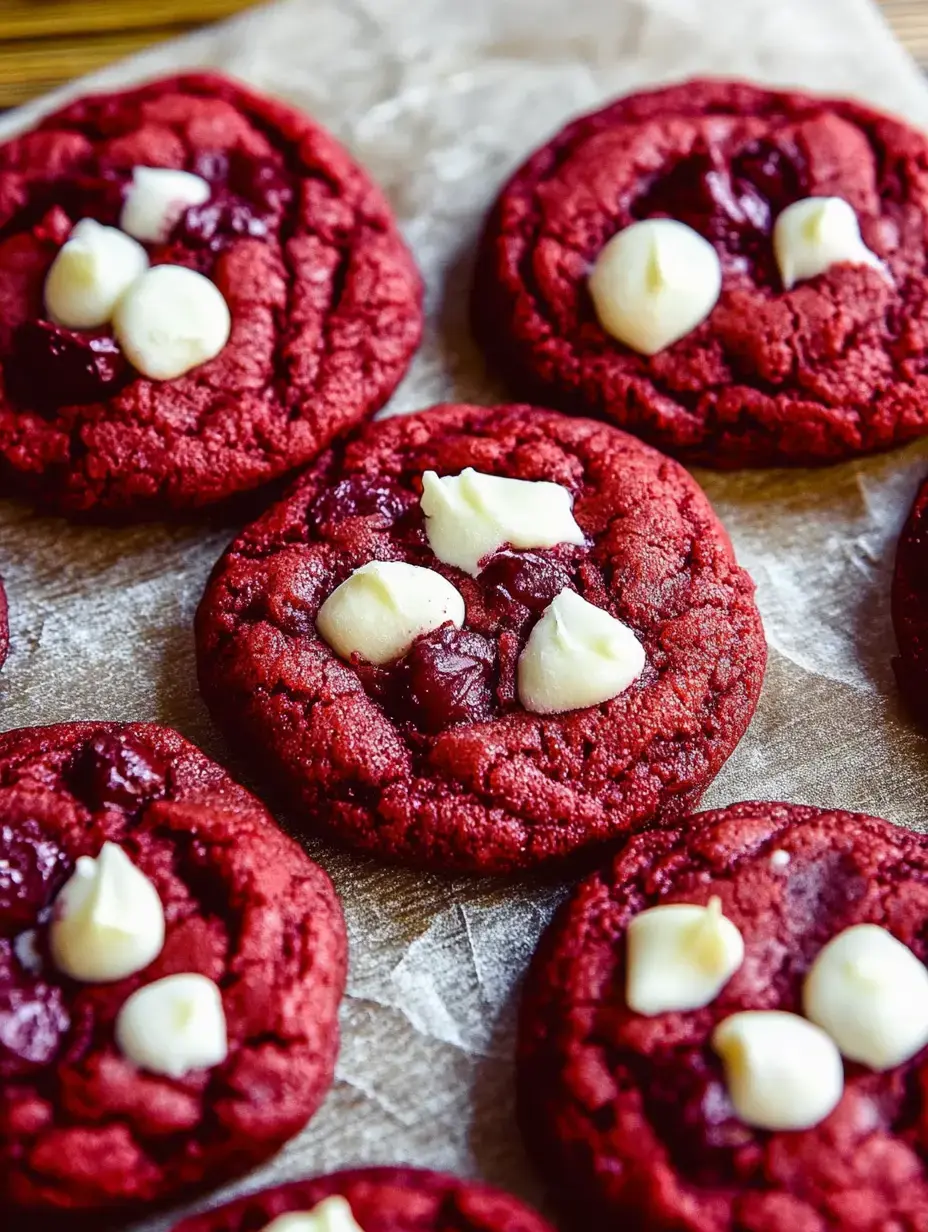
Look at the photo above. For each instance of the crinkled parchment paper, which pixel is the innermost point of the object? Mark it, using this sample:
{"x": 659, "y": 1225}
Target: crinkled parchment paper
{"x": 440, "y": 100}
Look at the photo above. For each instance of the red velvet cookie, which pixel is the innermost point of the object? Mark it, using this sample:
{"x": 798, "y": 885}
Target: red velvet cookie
{"x": 81, "y": 1126}
{"x": 910, "y": 605}
{"x": 324, "y": 297}
{"x": 630, "y": 1116}
{"x": 832, "y": 368}
{"x": 432, "y": 759}
{"x": 381, "y": 1200}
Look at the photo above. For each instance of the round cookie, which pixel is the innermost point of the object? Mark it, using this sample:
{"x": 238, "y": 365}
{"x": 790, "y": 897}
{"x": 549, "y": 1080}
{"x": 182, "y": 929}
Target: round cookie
{"x": 827, "y": 370}
{"x": 324, "y": 296}
{"x": 629, "y": 1115}
{"x": 381, "y": 1200}
{"x": 81, "y": 1127}
{"x": 910, "y": 605}
{"x": 432, "y": 760}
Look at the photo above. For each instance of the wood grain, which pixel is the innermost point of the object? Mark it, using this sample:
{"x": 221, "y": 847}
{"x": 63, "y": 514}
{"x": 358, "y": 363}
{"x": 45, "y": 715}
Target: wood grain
{"x": 46, "y": 42}
{"x": 909, "y": 20}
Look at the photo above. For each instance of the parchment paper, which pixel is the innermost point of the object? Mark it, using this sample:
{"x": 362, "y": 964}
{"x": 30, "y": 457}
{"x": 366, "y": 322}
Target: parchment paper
{"x": 441, "y": 99}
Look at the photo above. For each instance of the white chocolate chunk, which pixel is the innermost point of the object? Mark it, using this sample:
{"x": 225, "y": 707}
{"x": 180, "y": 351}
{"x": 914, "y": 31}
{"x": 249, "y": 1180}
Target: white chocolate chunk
{"x": 92, "y": 271}
{"x": 870, "y": 993}
{"x": 108, "y": 921}
{"x": 471, "y": 515}
{"x": 680, "y": 957}
{"x": 812, "y": 235}
{"x": 576, "y": 655}
{"x": 331, "y": 1215}
{"x": 380, "y": 610}
{"x": 156, "y": 199}
{"x": 654, "y": 282}
{"x": 173, "y": 1026}
{"x": 780, "y": 859}
{"x": 782, "y": 1072}
{"x": 171, "y": 320}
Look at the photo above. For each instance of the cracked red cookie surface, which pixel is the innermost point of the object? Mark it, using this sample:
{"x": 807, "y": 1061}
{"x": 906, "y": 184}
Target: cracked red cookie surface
{"x": 81, "y": 1126}
{"x": 432, "y": 759}
{"x": 629, "y": 1115}
{"x": 829, "y": 369}
{"x": 324, "y": 298}
{"x": 382, "y": 1200}
{"x": 910, "y": 605}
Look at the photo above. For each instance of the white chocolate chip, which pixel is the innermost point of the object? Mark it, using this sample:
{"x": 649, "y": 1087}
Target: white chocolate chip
{"x": 156, "y": 199}
{"x": 108, "y": 921}
{"x": 654, "y": 282}
{"x": 680, "y": 957}
{"x": 171, "y": 320}
{"x": 470, "y": 515}
{"x": 576, "y": 655}
{"x": 331, "y": 1215}
{"x": 380, "y": 610}
{"x": 812, "y": 235}
{"x": 173, "y": 1026}
{"x": 781, "y": 1071}
{"x": 779, "y": 859}
{"x": 870, "y": 993}
{"x": 91, "y": 272}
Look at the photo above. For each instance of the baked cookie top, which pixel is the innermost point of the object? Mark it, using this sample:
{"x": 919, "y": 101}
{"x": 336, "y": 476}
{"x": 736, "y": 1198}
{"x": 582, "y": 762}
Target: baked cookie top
{"x": 769, "y": 1077}
{"x": 484, "y": 638}
{"x": 804, "y": 328}
{"x": 321, "y": 297}
{"x": 375, "y": 1200}
{"x": 170, "y": 971}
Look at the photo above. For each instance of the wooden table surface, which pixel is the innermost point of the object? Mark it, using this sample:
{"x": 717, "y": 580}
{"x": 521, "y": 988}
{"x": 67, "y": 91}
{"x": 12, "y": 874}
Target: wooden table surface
{"x": 45, "y": 42}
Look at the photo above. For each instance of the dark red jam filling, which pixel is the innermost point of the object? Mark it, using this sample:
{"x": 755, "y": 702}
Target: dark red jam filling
{"x": 686, "y": 1102}
{"x": 448, "y": 676}
{"x": 358, "y": 496}
{"x": 445, "y": 679}
{"x": 84, "y": 195}
{"x": 32, "y": 870}
{"x": 451, "y": 676}
{"x": 50, "y": 366}
{"x": 732, "y": 202}
{"x": 524, "y": 578}
{"x": 117, "y": 771}
{"x": 33, "y": 1016}
{"x": 248, "y": 198}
